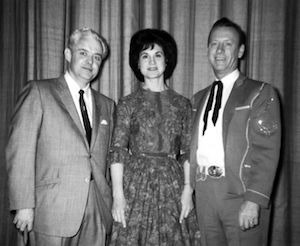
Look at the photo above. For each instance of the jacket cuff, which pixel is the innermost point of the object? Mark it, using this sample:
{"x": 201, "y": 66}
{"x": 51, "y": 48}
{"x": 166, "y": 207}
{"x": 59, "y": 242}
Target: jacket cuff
{"x": 257, "y": 197}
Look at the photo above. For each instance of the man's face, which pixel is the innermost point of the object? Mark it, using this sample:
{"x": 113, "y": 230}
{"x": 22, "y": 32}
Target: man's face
{"x": 84, "y": 60}
{"x": 224, "y": 50}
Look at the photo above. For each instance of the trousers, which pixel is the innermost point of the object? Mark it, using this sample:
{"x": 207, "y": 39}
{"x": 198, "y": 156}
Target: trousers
{"x": 218, "y": 216}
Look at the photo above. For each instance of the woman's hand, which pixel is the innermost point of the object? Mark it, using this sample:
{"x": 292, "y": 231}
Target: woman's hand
{"x": 187, "y": 204}
{"x": 118, "y": 209}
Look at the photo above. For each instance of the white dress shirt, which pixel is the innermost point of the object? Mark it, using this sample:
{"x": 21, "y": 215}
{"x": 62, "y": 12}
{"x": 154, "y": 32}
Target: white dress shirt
{"x": 87, "y": 97}
{"x": 210, "y": 150}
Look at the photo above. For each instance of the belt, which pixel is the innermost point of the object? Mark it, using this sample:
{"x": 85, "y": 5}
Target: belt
{"x": 214, "y": 172}
{"x": 162, "y": 155}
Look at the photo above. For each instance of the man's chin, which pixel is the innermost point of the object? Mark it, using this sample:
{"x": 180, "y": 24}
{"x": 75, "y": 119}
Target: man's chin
{"x": 220, "y": 65}
{"x": 88, "y": 76}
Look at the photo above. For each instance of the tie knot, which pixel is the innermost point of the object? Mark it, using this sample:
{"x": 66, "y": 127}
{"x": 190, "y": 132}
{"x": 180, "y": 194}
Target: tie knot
{"x": 218, "y": 83}
{"x": 81, "y": 92}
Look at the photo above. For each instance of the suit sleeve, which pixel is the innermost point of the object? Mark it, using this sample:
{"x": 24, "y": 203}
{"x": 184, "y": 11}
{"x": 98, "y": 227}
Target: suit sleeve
{"x": 111, "y": 118}
{"x": 264, "y": 146}
{"x": 21, "y": 148}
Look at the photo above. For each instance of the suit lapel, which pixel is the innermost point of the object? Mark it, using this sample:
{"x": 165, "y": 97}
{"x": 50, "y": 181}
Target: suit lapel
{"x": 232, "y": 102}
{"x": 96, "y": 117}
{"x": 198, "y": 104}
{"x": 68, "y": 103}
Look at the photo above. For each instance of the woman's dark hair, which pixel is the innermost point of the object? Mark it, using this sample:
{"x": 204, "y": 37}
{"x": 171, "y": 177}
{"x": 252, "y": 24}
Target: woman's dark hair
{"x": 146, "y": 38}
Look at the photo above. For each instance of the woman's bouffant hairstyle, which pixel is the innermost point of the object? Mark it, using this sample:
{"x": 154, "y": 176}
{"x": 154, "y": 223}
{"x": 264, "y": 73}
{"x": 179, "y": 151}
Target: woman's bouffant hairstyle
{"x": 146, "y": 38}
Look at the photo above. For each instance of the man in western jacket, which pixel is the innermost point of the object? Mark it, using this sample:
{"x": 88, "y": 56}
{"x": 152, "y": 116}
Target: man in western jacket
{"x": 57, "y": 150}
{"x": 235, "y": 147}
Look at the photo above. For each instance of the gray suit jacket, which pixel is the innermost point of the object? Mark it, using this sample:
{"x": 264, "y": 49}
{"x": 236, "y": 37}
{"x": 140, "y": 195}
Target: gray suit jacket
{"x": 49, "y": 161}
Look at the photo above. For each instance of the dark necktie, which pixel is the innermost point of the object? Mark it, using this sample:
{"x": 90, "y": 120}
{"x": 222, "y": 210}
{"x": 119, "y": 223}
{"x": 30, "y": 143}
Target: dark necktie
{"x": 86, "y": 122}
{"x": 210, "y": 102}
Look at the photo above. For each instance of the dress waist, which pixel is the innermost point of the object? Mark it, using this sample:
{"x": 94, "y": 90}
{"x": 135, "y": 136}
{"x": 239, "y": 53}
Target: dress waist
{"x": 156, "y": 154}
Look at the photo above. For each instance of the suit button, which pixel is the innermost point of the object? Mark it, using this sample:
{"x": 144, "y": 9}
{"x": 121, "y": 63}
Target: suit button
{"x": 87, "y": 180}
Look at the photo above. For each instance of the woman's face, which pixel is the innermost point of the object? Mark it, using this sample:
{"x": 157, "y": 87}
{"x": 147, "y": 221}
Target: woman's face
{"x": 152, "y": 62}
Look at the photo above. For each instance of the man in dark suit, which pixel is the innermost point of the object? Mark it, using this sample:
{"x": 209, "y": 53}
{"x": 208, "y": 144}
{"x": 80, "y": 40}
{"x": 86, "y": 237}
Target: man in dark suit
{"x": 57, "y": 150}
{"x": 235, "y": 146}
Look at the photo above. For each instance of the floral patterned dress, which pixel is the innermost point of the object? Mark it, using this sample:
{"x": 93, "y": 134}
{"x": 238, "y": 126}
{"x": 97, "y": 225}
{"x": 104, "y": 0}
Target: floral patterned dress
{"x": 151, "y": 138}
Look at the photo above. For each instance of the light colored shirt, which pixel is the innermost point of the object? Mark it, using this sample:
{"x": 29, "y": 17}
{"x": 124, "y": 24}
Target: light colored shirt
{"x": 87, "y": 97}
{"x": 210, "y": 150}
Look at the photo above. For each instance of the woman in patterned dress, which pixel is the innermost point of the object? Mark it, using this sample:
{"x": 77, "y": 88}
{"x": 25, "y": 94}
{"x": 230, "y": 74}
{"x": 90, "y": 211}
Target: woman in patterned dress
{"x": 149, "y": 153}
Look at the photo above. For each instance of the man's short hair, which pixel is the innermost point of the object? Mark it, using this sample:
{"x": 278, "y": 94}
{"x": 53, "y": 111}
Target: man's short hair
{"x": 225, "y": 22}
{"x": 79, "y": 33}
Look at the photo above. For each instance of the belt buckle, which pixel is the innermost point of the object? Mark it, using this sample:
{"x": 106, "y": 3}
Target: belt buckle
{"x": 215, "y": 172}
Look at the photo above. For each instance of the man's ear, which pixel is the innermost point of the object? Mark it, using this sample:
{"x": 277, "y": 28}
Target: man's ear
{"x": 241, "y": 51}
{"x": 68, "y": 54}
